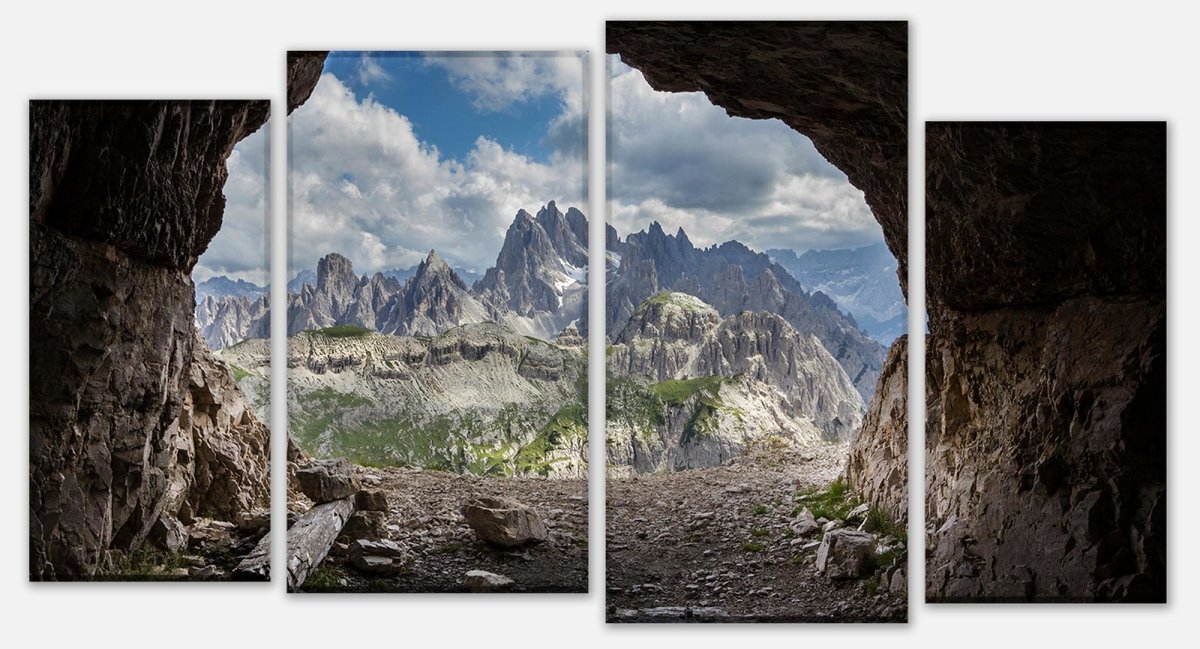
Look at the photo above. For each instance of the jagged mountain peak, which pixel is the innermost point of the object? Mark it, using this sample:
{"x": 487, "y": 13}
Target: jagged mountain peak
{"x": 335, "y": 272}
{"x": 435, "y": 270}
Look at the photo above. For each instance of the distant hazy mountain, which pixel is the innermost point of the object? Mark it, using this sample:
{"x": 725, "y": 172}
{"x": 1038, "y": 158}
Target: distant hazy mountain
{"x": 221, "y": 286}
{"x": 861, "y": 281}
{"x": 306, "y": 276}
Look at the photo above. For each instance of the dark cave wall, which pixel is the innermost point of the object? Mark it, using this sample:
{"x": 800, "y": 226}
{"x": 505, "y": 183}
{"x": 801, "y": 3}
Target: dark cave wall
{"x": 1046, "y": 373}
{"x": 131, "y": 429}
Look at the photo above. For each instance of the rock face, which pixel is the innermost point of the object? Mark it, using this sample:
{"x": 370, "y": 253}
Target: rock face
{"x": 230, "y": 446}
{"x": 503, "y": 522}
{"x": 1046, "y": 375}
{"x": 878, "y": 465}
{"x": 733, "y": 279}
{"x": 689, "y": 389}
{"x": 124, "y": 196}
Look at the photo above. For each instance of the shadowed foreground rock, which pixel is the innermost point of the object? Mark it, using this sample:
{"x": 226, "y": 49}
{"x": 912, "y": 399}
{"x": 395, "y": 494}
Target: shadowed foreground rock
{"x": 130, "y": 427}
{"x": 1046, "y": 374}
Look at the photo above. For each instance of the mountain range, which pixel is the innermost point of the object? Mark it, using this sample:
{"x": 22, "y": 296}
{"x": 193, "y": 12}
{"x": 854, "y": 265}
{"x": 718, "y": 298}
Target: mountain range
{"x": 732, "y": 278}
{"x": 862, "y": 281}
{"x": 537, "y": 287}
{"x": 689, "y": 388}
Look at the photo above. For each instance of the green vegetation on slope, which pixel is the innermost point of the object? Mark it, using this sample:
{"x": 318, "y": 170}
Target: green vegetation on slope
{"x": 681, "y": 300}
{"x": 343, "y": 331}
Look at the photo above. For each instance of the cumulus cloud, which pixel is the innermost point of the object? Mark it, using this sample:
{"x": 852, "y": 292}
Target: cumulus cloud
{"x": 239, "y": 250}
{"x": 677, "y": 159}
{"x": 363, "y": 184}
{"x": 502, "y": 81}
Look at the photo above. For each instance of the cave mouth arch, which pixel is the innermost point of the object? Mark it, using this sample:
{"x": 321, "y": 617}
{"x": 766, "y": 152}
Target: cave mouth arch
{"x": 843, "y": 85}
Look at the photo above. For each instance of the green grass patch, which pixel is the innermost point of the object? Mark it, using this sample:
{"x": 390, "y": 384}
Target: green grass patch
{"x": 759, "y": 532}
{"x": 343, "y": 331}
{"x": 752, "y": 546}
{"x": 760, "y": 510}
{"x": 832, "y": 503}
{"x": 238, "y": 373}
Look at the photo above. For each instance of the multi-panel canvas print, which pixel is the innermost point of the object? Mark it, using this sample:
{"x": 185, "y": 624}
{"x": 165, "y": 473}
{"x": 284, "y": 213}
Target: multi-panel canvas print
{"x": 755, "y": 320}
{"x": 1046, "y": 375}
{"x": 437, "y": 322}
{"x": 149, "y": 443}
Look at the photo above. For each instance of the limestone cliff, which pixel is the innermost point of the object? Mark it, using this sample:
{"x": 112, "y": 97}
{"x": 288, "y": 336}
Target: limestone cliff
{"x": 689, "y": 389}
{"x": 878, "y": 464}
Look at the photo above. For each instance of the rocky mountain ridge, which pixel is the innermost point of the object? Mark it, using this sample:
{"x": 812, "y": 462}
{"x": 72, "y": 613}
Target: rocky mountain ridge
{"x": 537, "y": 287}
{"x": 690, "y": 389}
{"x": 477, "y": 398}
{"x": 733, "y": 278}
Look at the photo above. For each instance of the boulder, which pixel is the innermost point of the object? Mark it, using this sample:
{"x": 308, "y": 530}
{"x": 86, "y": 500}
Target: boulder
{"x": 327, "y": 480}
{"x": 482, "y": 581}
{"x": 365, "y": 525}
{"x": 503, "y": 521}
{"x": 371, "y": 500}
{"x": 377, "y": 557}
{"x": 805, "y": 524}
{"x": 844, "y": 553}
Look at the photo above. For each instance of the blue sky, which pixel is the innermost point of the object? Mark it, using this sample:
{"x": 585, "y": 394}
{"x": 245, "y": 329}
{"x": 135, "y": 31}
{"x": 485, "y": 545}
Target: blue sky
{"x": 395, "y": 154}
{"x": 442, "y": 113}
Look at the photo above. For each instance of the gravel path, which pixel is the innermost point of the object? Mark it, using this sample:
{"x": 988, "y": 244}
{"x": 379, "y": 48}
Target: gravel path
{"x": 716, "y": 545}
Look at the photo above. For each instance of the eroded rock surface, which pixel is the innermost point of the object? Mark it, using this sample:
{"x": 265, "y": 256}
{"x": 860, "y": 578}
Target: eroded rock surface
{"x": 124, "y": 197}
{"x": 878, "y": 466}
{"x": 1046, "y": 372}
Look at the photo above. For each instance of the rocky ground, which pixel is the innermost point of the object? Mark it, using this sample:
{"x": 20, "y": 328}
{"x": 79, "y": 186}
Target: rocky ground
{"x": 722, "y": 545}
{"x": 425, "y": 520}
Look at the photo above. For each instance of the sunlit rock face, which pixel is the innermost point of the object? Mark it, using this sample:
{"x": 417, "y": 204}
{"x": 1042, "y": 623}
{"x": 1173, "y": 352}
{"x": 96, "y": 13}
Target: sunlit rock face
{"x": 1046, "y": 373}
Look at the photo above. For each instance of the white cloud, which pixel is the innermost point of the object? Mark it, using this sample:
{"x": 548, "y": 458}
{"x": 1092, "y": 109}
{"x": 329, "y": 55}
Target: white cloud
{"x": 364, "y": 185}
{"x": 499, "y": 80}
{"x": 677, "y": 159}
{"x": 239, "y": 250}
{"x": 369, "y": 71}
